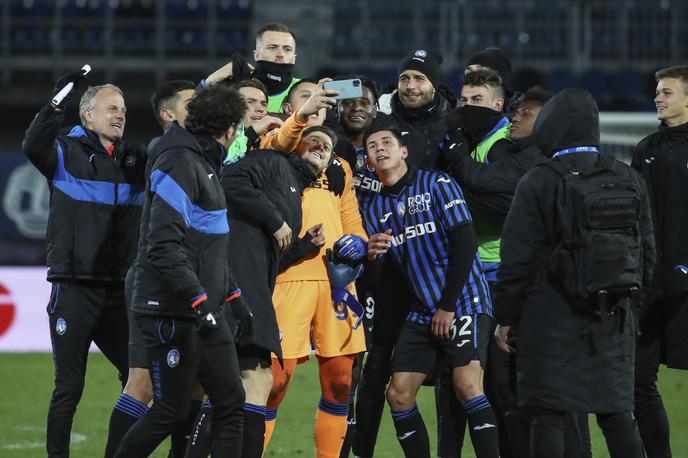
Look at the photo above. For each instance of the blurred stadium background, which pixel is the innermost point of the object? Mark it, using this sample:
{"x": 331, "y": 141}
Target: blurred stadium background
{"x": 610, "y": 47}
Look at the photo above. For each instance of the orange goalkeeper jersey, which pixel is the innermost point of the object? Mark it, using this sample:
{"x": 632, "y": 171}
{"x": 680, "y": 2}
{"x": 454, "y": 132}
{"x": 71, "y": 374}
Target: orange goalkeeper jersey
{"x": 339, "y": 215}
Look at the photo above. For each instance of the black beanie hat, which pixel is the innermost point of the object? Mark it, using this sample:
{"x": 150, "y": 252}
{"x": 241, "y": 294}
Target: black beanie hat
{"x": 493, "y": 58}
{"x": 426, "y": 62}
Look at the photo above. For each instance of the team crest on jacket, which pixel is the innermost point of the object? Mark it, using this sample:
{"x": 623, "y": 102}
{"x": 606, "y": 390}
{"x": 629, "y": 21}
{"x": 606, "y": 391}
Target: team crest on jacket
{"x": 360, "y": 163}
{"x": 61, "y": 326}
{"x": 173, "y": 358}
{"x": 401, "y": 209}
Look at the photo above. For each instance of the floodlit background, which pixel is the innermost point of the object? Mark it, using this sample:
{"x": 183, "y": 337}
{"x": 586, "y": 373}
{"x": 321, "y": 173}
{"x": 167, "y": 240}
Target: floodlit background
{"x": 612, "y": 48}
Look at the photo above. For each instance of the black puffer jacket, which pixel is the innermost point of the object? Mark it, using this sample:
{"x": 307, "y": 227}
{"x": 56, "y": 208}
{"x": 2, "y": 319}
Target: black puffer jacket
{"x": 567, "y": 358}
{"x": 263, "y": 191}
{"x": 662, "y": 159}
{"x": 184, "y": 229}
{"x": 95, "y": 199}
{"x": 424, "y": 128}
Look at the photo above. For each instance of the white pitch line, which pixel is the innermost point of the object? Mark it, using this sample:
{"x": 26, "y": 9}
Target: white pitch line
{"x": 75, "y": 438}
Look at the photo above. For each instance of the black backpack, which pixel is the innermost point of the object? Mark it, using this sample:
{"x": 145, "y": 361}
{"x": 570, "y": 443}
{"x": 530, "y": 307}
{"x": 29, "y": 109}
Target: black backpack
{"x": 599, "y": 256}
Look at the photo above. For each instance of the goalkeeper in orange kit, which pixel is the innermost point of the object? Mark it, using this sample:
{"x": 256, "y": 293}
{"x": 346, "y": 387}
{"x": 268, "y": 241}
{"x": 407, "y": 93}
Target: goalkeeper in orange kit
{"x": 303, "y": 298}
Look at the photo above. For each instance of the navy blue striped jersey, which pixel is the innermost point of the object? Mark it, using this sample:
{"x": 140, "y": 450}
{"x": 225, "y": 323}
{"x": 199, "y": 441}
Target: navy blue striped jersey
{"x": 420, "y": 213}
{"x": 366, "y": 181}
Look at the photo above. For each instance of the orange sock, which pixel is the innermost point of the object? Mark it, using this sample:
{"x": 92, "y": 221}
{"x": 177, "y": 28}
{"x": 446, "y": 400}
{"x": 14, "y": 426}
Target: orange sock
{"x": 269, "y": 426}
{"x": 330, "y": 419}
{"x": 281, "y": 376}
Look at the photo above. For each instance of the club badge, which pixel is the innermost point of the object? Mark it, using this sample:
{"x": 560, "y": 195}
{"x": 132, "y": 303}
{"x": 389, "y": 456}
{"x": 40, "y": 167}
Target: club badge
{"x": 61, "y": 326}
{"x": 401, "y": 209}
{"x": 173, "y": 358}
{"x": 360, "y": 163}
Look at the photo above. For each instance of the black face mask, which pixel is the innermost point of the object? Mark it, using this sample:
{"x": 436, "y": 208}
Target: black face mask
{"x": 276, "y": 77}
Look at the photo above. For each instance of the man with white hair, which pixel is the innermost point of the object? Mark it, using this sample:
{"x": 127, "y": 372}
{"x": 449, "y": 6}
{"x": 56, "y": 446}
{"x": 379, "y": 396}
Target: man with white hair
{"x": 96, "y": 185}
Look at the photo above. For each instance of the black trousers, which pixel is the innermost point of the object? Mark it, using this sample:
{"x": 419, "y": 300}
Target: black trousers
{"x": 649, "y": 408}
{"x": 81, "y": 313}
{"x": 548, "y": 434}
{"x": 177, "y": 356}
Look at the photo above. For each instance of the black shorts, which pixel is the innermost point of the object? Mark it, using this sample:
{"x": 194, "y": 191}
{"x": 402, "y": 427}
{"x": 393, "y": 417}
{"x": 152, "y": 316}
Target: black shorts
{"x": 137, "y": 347}
{"x": 417, "y": 350}
{"x": 252, "y": 357}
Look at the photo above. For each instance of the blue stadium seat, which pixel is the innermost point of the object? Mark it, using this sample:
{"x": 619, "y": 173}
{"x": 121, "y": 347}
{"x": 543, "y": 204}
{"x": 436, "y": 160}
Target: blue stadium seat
{"x": 231, "y": 39}
{"x": 236, "y": 9}
{"x": 30, "y": 39}
{"x": 559, "y": 79}
{"x": 134, "y": 40}
{"x": 627, "y": 83}
{"x": 186, "y": 8}
{"x": 34, "y": 9}
{"x": 595, "y": 81}
{"x": 83, "y": 8}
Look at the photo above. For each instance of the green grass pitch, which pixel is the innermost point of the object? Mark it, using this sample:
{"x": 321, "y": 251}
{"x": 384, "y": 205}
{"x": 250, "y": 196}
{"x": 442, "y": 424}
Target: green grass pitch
{"x": 26, "y": 383}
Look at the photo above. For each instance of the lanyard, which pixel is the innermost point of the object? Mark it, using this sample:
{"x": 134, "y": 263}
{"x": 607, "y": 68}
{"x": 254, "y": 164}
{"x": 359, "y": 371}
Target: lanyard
{"x": 577, "y": 149}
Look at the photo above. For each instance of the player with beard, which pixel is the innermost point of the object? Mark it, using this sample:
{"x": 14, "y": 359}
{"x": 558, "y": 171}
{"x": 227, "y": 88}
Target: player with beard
{"x": 421, "y": 103}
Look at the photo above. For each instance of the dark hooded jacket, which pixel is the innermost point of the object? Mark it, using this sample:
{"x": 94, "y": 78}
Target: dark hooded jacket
{"x": 488, "y": 186}
{"x": 95, "y": 200}
{"x": 263, "y": 191}
{"x": 567, "y": 358}
{"x": 424, "y": 128}
{"x": 184, "y": 229}
{"x": 662, "y": 160}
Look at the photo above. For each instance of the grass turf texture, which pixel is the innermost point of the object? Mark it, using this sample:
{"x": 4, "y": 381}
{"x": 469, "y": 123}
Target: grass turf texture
{"x": 27, "y": 381}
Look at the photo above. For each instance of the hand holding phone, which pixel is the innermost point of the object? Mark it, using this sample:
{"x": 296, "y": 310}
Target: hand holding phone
{"x": 348, "y": 89}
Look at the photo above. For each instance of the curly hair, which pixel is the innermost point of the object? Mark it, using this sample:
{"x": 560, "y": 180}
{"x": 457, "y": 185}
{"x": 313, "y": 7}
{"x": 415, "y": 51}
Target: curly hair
{"x": 212, "y": 111}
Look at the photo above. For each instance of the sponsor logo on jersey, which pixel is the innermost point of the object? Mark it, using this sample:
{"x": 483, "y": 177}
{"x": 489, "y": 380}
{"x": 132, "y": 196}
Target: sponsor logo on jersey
{"x": 418, "y": 203}
{"x": 443, "y": 180}
{"x": 386, "y": 217}
{"x": 453, "y": 203}
{"x": 649, "y": 160}
{"x": 173, "y": 358}
{"x": 61, "y": 326}
{"x": 411, "y": 232}
{"x": 367, "y": 183}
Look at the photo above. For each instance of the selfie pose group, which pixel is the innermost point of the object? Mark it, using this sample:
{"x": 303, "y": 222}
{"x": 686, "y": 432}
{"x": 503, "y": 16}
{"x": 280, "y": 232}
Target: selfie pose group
{"x": 481, "y": 242}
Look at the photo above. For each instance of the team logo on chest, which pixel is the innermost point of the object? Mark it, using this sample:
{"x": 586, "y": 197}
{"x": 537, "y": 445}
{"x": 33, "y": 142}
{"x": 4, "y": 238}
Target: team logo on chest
{"x": 360, "y": 163}
{"x": 401, "y": 209}
{"x": 173, "y": 358}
